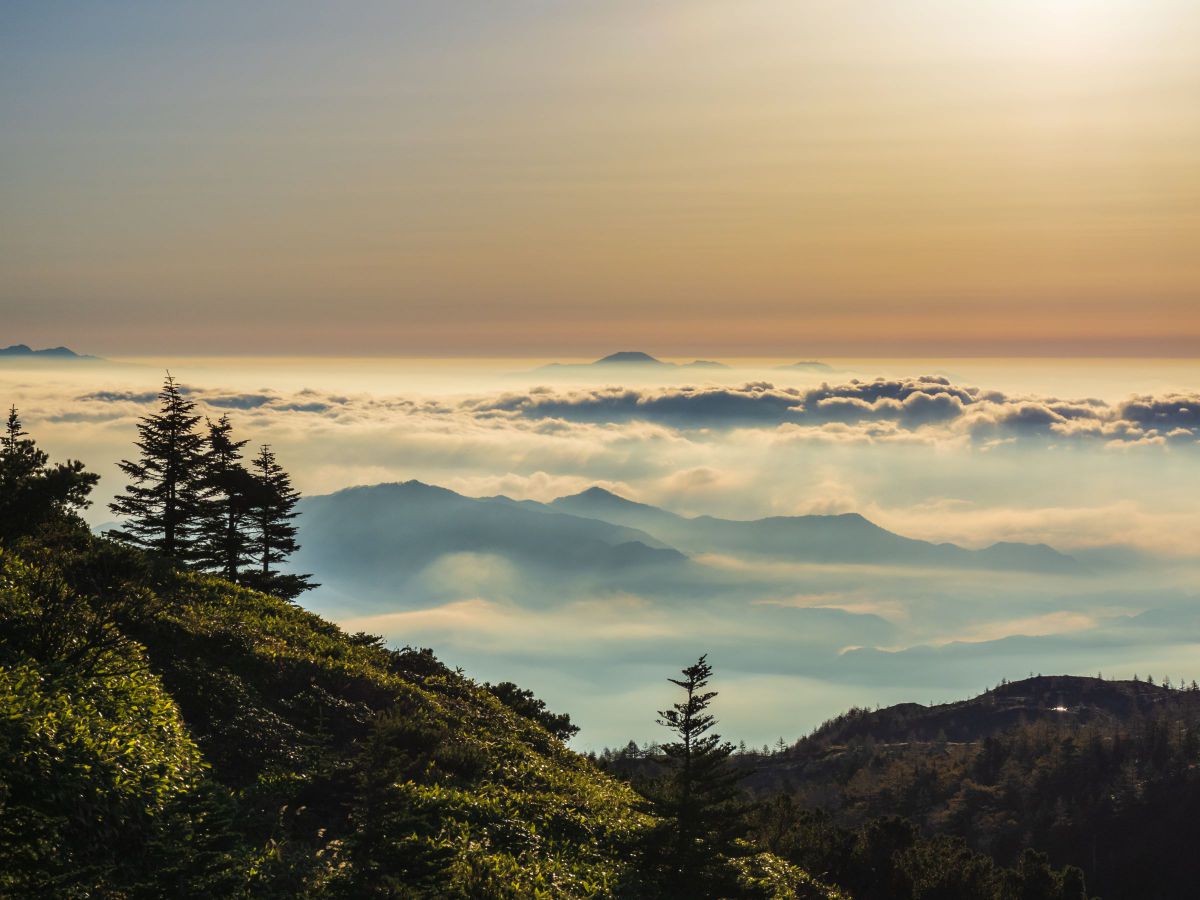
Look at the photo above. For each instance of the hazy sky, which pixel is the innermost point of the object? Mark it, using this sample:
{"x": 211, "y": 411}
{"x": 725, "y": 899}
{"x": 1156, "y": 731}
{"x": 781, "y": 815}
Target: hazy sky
{"x": 568, "y": 178}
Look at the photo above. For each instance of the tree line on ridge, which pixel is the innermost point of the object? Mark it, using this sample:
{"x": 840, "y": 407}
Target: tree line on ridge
{"x": 192, "y": 499}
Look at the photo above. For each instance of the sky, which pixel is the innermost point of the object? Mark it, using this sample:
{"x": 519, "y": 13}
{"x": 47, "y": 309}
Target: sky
{"x": 761, "y": 178}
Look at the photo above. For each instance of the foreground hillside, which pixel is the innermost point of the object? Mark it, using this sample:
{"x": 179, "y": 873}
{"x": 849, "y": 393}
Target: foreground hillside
{"x": 164, "y": 733}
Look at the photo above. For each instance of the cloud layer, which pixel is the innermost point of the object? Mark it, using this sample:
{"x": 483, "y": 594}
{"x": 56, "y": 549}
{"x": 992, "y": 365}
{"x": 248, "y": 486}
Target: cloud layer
{"x": 930, "y": 457}
{"x": 882, "y": 408}
{"x": 927, "y": 407}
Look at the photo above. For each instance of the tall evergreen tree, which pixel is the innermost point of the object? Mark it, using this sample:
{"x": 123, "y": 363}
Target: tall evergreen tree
{"x": 163, "y": 503}
{"x": 228, "y": 491}
{"x": 33, "y": 492}
{"x": 698, "y": 800}
{"x": 272, "y": 529}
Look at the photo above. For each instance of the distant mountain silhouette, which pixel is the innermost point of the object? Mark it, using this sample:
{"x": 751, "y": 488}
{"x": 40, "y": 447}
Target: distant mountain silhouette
{"x": 839, "y": 538}
{"x": 27, "y": 352}
{"x": 369, "y": 541}
{"x": 390, "y": 542}
{"x": 629, "y": 358}
{"x": 634, "y": 359}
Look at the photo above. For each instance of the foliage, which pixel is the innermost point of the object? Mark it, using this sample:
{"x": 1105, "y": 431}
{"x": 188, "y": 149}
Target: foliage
{"x": 888, "y": 859}
{"x": 34, "y": 493}
{"x": 523, "y": 701}
{"x": 92, "y": 749}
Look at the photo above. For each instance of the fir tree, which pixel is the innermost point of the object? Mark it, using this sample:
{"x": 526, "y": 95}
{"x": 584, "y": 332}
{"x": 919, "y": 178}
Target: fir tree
{"x": 32, "y": 492}
{"x": 273, "y": 533}
{"x": 163, "y": 503}
{"x": 697, "y": 801}
{"x": 228, "y": 489}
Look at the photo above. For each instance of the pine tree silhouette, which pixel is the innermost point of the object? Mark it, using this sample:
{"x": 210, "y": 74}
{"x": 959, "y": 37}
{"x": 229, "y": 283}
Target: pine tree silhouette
{"x": 698, "y": 800}
{"x": 163, "y": 503}
{"x": 273, "y": 533}
{"x": 228, "y": 491}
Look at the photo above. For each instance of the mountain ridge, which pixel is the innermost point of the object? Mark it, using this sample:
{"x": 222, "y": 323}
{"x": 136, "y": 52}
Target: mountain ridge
{"x": 777, "y": 534}
{"x": 24, "y": 351}
{"x": 372, "y": 540}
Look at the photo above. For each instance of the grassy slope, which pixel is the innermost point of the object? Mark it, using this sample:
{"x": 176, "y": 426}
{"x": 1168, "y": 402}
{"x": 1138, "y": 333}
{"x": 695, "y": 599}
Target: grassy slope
{"x": 175, "y": 733}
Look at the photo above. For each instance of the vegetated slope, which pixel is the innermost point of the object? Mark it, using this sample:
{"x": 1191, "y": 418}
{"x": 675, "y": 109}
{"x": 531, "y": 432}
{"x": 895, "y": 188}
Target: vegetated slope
{"x": 1103, "y": 775}
{"x": 848, "y": 538}
{"x": 164, "y": 733}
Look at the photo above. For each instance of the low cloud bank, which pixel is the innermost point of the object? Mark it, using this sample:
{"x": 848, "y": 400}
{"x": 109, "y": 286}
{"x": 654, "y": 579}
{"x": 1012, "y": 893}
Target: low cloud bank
{"x": 928, "y": 407}
{"x": 868, "y": 410}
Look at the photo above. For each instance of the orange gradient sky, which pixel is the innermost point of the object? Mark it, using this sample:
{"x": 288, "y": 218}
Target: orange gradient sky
{"x": 927, "y": 177}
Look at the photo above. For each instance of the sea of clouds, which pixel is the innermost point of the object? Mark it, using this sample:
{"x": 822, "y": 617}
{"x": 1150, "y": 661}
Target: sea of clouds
{"x": 1111, "y": 477}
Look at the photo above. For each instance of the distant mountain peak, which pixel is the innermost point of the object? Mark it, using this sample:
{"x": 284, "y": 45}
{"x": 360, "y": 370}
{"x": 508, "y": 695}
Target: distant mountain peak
{"x": 629, "y": 358}
{"x": 603, "y": 494}
{"x": 24, "y": 350}
{"x": 410, "y": 487}
{"x": 597, "y": 491}
{"x": 597, "y": 494}
{"x": 633, "y": 359}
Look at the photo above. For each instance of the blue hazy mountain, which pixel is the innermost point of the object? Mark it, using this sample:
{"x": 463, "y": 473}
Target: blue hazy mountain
{"x": 371, "y": 541}
{"x": 846, "y": 538}
{"x": 632, "y": 359}
{"x": 629, "y": 358}
{"x": 412, "y": 542}
{"x": 24, "y": 351}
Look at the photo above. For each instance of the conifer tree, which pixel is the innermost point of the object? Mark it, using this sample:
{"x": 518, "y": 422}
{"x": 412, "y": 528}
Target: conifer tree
{"x": 228, "y": 491}
{"x": 32, "y": 492}
{"x": 698, "y": 799}
{"x": 163, "y": 503}
{"x": 273, "y": 532}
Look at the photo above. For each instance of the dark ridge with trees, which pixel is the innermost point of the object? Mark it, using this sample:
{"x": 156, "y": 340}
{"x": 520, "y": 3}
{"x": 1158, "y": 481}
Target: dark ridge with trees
{"x": 1067, "y": 699}
{"x": 1099, "y": 776}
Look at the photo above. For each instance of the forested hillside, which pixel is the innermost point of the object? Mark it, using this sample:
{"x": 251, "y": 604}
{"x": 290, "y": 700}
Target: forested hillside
{"x": 1101, "y": 775}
